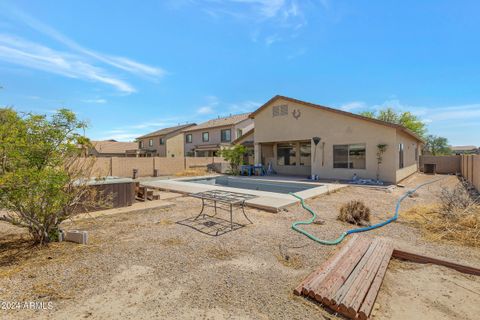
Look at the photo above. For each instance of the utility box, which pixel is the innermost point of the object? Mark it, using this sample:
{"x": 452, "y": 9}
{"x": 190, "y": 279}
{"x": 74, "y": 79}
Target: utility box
{"x": 429, "y": 168}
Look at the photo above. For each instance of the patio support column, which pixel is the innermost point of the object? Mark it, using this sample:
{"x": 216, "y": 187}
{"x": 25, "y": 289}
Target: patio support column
{"x": 257, "y": 151}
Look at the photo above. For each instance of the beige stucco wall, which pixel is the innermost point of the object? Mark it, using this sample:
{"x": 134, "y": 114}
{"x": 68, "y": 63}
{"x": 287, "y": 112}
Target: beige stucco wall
{"x": 174, "y": 146}
{"x": 334, "y": 129}
{"x": 214, "y": 135}
{"x": 410, "y": 162}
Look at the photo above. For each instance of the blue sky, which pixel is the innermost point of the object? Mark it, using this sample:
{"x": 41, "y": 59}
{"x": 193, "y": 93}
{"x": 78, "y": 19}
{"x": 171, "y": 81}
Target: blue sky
{"x": 131, "y": 67}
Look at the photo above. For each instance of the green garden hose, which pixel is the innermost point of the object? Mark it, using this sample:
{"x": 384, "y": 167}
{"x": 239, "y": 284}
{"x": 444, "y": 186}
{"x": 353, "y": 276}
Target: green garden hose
{"x": 295, "y": 224}
{"x": 344, "y": 234}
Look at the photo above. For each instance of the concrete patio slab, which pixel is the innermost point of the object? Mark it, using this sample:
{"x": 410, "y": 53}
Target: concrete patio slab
{"x": 270, "y": 201}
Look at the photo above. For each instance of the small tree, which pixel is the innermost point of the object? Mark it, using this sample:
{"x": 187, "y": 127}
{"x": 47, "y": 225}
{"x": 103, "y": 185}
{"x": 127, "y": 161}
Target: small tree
{"x": 42, "y": 178}
{"x": 381, "y": 148}
{"x": 437, "y": 146}
{"x": 406, "y": 119}
{"x": 234, "y": 155}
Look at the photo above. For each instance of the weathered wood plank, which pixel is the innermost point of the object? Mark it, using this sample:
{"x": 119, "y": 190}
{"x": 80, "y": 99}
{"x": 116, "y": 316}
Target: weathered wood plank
{"x": 327, "y": 266}
{"x": 343, "y": 290}
{"x": 315, "y": 285}
{"x": 340, "y": 274}
{"x": 354, "y": 305}
{"x": 400, "y": 254}
{"x": 360, "y": 278}
{"x": 372, "y": 294}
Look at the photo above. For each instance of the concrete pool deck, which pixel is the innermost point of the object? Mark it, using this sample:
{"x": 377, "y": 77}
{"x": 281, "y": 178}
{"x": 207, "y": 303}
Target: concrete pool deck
{"x": 270, "y": 201}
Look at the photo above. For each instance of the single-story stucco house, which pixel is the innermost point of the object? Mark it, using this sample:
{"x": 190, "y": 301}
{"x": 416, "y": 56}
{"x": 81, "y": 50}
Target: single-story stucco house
{"x": 465, "y": 150}
{"x": 301, "y": 138}
{"x": 109, "y": 148}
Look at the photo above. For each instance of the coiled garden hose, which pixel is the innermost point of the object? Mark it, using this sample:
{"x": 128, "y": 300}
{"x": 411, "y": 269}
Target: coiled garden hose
{"x": 344, "y": 234}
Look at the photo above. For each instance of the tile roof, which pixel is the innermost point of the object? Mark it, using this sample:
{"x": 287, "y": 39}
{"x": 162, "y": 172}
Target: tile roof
{"x": 112, "y": 146}
{"x": 165, "y": 131}
{"x": 220, "y": 122}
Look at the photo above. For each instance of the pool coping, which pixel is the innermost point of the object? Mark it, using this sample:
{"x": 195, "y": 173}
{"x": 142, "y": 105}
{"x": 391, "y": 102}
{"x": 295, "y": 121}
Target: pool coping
{"x": 269, "y": 201}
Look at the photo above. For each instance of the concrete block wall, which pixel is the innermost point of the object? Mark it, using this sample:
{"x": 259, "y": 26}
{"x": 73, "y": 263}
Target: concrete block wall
{"x": 123, "y": 166}
{"x": 470, "y": 168}
{"x": 444, "y": 164}
{"x": 169, "y": 166}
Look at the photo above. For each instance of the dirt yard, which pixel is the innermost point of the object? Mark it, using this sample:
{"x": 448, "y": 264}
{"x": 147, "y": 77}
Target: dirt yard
{"x": 144, "y": 266}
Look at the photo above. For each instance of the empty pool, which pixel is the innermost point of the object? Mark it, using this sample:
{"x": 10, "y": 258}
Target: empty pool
{"x": 254, "y": 184}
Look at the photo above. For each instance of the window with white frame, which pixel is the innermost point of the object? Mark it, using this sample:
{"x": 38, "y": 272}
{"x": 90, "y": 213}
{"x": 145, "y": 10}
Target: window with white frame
{"x": 188, "y": 138}
{"x": 150, "y": 142}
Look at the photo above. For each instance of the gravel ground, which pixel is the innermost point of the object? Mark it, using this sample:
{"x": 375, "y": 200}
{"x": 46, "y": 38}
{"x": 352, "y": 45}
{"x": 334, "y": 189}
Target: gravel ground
{"x": 144, "y": 265}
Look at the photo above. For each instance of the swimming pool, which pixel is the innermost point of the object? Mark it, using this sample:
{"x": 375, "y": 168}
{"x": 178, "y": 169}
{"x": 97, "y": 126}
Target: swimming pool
{"x": 255, "y": 184}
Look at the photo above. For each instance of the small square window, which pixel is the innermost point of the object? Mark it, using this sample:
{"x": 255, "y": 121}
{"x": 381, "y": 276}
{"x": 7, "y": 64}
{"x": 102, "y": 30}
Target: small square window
{"x": 205, "y": 137}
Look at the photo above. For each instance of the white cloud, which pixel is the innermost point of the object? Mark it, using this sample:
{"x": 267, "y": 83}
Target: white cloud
{"x": 118, "y": 62}
{"x": 426, "y": 114}
{"x": 243, "y": 107}
{"x": 209, "y": 107}
{"x": 99, "y": 101}
{"x": 205, "y": 110}
{"x": 29, "y": 54}
{"x": 271, "y": 39}
{"x": 79, "y": 62}
{"x": 354, "y": 105}
{"x": 125, "y": 137}
{"x": 267, "y": 17}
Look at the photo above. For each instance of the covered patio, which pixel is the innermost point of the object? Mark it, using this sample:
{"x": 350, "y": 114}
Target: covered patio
{"x": 286, "y": 158}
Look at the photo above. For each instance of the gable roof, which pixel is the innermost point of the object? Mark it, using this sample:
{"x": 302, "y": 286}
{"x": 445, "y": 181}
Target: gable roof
{"x": 220, "y": 122}
{"x": 165, "y": 131}
{"x": 112, "y": 146}
{"x": 345, "y": 113}
{"x": 243, "y": 136}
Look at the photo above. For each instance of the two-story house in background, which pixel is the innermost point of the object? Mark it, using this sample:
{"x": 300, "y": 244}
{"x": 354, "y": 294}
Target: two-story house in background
{"x": 207, "y": 138}
{"x": 167, "y": 142}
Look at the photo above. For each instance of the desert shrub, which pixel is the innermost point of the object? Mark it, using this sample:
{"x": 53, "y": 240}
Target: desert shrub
{"x": 355, "y": 212}
{"x": 454, "y": 200}
{"x": 456, "y": 217}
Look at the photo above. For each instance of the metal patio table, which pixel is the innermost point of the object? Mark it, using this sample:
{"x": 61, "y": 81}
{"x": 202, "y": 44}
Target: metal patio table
{"x": 223, "y": 200}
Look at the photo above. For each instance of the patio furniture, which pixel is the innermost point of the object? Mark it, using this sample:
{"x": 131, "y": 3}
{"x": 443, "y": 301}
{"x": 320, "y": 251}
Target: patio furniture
{"x": 261, "y": 170}
{"x": 246, "y": 170}
{"x": 223, "y": 200}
